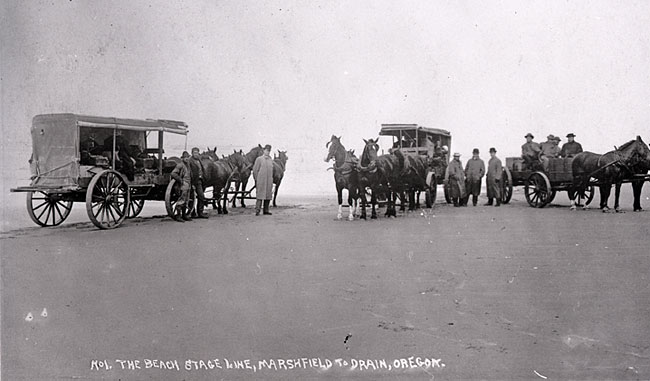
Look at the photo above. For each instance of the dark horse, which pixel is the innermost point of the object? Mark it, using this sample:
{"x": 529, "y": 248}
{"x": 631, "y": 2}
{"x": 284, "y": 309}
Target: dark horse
{"x": 345, "y": 174}
{"x": 613, "y": 167}
{"x": 279, "y": 166}
{"x": 242, "y": 178}
{"x": 382, "y": 174}
{"x": 414, "y": 177}
{"x": 219, "y": 173}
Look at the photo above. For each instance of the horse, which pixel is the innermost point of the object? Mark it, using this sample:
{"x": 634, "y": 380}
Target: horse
{"x": 345, "y": 174}
{"x": 279, "y": 166}
{"x": 611, "y": 168}
{"x": 414, "y": 177}
{"x": 382, "y": 174}
{"x": 218, "y": 175}
{"x": 242, "y": 178}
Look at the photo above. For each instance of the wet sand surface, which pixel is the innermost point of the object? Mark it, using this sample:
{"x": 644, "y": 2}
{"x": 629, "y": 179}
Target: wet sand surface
{"x": 491, "y": 293}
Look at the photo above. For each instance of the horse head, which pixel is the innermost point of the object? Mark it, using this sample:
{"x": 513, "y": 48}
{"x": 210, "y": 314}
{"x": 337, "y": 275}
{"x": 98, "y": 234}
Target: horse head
{"x": 282, "y": 156}
{"x": 635, "y": 152}
{"x": 211, "y": 153}
{"x": 336, "y": 149}
{"x": 370, "y": 150}
{"x": 238, "y": 160}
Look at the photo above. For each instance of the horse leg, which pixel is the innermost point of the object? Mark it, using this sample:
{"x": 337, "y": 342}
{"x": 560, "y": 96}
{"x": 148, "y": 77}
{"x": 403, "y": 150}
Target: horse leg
{"x": 604, "y": 196}
{"x": 637, "y": 186}
{"x": 244, "y": 183}
{"x": 617, "y": 193}
{"x": 340, "y": 200}
{"x": 373, "y": 202}
{"x": 351, "y": 200}
{"x": 362, "y": 194}
{"x": 275, "y": 194}
{"x": 234, "y": 199}
{"x": 225, "y": 199}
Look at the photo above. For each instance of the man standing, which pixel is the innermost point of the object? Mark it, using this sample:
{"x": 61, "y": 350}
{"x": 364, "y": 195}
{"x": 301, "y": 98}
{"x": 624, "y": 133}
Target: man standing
{"x": 474, "y": 172}
{"x": 570, "y": 148}
{"x": 181, "y": 173}
{"x": 494, "y": 174}
{"x": 456, "y": 177}
{"x": 530, "y": 152}
{"x": 198, "y": 174}
{"x": 263, "y": 175}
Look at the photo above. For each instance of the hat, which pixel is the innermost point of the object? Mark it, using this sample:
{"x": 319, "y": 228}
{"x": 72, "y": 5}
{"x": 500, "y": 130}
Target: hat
{"x": 185, "y": 155}
{"x": 492, "y": 149}
{"x": 571, "y": 135}
{"x": 267, "y": 147}
{"x": 529, "y": 134}
{"x": 475, "y": 151}
{"x": 456, "y": 154}
{"x": 550, "y": 137}
{"x": 445, "y": 148}
{"x": 195, "y": 149}
{"x": 557, "y": 138}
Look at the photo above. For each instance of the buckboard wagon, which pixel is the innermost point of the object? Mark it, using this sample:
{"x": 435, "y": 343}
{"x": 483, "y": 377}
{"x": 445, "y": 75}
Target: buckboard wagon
{"x": 541, "y": 186}
{"x": 412, "y": 139}
{"x": 104, "y": 162}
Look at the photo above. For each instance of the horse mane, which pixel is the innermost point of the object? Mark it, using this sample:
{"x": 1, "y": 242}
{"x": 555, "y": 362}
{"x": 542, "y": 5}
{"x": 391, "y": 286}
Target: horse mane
{"x": 624, "y": 146}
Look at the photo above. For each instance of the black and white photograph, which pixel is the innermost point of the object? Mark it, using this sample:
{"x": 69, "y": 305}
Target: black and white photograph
{"x": 361, "y": 190}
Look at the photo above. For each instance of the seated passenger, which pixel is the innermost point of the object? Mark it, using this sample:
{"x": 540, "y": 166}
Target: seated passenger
{"x": 550, "y": 149}
{"x": 530, "y": 152}
{"x": 570, "y": 148}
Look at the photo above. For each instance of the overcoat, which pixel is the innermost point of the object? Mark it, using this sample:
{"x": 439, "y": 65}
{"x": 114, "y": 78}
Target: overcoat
{"x": 494, "y": 174}
{"x": 456, "y": 179}
{"x": 263, "y": 175}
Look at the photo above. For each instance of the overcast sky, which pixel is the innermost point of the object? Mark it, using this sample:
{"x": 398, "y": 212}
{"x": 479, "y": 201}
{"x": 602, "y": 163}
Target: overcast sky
{"x": 294, "y": 73}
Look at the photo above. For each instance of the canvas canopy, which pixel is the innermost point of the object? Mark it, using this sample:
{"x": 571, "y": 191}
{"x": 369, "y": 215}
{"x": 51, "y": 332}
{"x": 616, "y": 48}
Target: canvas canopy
{"x": 394, "y": 129}
{"x": 56, "y": 138}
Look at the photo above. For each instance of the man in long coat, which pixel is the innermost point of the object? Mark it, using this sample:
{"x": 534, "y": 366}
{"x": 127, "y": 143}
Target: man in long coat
{"x": 198, "y": 175}
{"x": 494, "y": 175}
{"x": 456, "y": 177}
{"x": 181, "y": 173}
{"x": 474, "y": 172}
{"x": 263, "y": 175}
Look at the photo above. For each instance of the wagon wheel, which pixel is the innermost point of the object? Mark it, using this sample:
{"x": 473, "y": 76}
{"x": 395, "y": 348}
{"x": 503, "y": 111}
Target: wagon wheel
{"x": 107, "y": 199}
{"x": 47, "y": 209}
{"x": 172, "y": 193}
{"x": 431, "y": 191}
{"x": 446, "y": 190}
{"x": 551, "y": 196}
{"x": 537, "y": 189}
{"x": 135, "y": 207}
{"x": 585, "y": 195}
{"x": 506, "y": 190}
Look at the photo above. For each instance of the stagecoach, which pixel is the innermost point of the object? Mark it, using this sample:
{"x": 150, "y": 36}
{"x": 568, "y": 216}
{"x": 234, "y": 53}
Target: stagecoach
{"x": 112, "y": 165}
{"x": 426, "y": 142}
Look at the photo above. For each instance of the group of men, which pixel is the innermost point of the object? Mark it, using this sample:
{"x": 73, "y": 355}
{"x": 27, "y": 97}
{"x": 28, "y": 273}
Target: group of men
{"x": 466, "y": 182}
{"x": 536, "y": 154}
{"x": 190, "y": 173}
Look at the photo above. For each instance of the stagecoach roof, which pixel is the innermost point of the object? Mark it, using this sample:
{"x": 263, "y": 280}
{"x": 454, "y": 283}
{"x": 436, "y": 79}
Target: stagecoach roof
{"x": 393, "y": 129}
{"x": 59, "y": 120}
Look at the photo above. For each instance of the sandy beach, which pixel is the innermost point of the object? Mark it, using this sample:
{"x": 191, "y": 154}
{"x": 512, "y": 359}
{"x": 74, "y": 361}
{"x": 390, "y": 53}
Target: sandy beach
{"x": 443, "y": 293}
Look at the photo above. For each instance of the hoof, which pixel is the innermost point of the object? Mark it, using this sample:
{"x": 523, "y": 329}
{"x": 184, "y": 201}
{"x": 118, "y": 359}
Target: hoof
{"x": 225, "y": 212}
{"x": 373, "y": 217}
{"x": 619, "y": 211}
{"x": 338, "y": 216}
{"x": 638, "y": 209}
{"x": 573, "y": 208}
{"x": 350, "y": 218}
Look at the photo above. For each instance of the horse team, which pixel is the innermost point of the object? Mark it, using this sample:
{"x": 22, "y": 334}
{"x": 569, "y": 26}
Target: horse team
{"x": 403, "y": 175}
{"x": 235, "y": 170}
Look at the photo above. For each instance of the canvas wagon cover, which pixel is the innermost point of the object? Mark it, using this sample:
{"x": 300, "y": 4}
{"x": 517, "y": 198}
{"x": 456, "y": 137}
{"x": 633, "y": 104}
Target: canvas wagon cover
{"x": 55, "y": 143}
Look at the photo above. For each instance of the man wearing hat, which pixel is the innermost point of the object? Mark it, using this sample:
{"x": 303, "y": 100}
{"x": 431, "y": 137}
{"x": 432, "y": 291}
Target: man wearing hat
{"x": 530, "y": 152}
{"x": 550, "y": 149}
{"x": 474, "y": 172}
{"x": 263, "y": 175}
{"x": 181, "y": 173}
{"x": 198, "y": 173}
{"x": 570, "y": 148}
{"x": 494, "y": 175}
{"x": 456, "y": 178}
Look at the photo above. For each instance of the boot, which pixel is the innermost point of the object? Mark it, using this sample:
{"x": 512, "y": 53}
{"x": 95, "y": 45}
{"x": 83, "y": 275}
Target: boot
{"x": 258, "y": 207}
{"x": 498, "y": 202}
{"x": 489, "y": 203}
{"x": 266, "y": 207}
{"x": 184, "y": 216}
{"x": 199, "y": 211}
{"x": 474, "y": 200}
{"x": 178, "y": 212}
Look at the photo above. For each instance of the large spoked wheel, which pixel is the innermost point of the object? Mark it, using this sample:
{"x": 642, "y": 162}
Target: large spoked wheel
{"x": 445, "y": 188}
{"x": 431, "y": 191}
{"x": 107, "y": 199}
{"x": 585, "y": 196}
{"x": 172, "y": 193}
{"x": 506, "y": 189}
{"x": 135, "y": 207}
{"x": 537, "y": 190}
{"x": 47, "y": 209}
